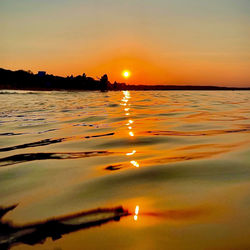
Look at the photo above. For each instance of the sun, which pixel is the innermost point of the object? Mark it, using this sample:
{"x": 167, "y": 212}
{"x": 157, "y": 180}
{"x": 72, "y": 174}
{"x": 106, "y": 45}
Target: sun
{"x": 126, "y": 74}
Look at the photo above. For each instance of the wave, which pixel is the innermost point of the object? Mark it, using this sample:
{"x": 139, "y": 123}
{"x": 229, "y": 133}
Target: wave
{"x": 198, "y": 133}
{"x": 20, "y": 92}
{"x": 56, "y": 227}
{"x": 46, "y": 142}
{"x": 11, "y": 134}
{"x": 20, "y": 158}
{"x": 37, "y": 232}
{"x": 183, "y": 154}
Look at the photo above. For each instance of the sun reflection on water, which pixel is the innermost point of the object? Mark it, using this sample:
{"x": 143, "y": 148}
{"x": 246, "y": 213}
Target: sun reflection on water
{"x": 132, "y": 153}
{"x": 135, "y": 163}
{"x": 136, "y": 213}
{"x": 131, "y": 133}
{"x": 124, "y": 102}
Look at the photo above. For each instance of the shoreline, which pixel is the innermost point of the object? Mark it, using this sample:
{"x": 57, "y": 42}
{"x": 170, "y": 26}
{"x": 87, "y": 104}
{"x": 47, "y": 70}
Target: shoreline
{"x": 164, "y": 88}
{"x": 26, "y": 80}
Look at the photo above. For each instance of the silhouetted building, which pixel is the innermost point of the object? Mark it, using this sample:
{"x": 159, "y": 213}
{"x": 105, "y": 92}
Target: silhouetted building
{"x": 41, "y": 73}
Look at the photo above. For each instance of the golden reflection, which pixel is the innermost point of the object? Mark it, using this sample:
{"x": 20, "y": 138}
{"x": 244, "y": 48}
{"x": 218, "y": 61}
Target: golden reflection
{"x": 125, "y": 102}
{"x": 135, "y": 163}
{"x": 126, "y": 94}
{"x": 136, "y": 213}
{"x": 132, "y": 153}
{"x": 130, "y": 122}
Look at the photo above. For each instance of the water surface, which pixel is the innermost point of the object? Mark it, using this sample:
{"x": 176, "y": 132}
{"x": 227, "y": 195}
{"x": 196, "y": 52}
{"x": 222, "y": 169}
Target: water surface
{"x": 179, "y": 161}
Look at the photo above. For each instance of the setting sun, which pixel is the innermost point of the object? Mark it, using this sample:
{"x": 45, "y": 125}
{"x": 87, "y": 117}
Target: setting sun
{"x": 126, "y": 74}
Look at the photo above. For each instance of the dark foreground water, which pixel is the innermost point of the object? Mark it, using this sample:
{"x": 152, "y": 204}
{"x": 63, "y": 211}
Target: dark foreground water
{"x": 179, "y": 162}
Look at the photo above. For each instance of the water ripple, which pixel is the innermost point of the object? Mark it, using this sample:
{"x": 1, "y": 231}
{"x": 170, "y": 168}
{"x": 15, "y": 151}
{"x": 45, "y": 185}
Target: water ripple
{"x": 46, "y": 142}
{"x": 20, "y": 158}
{"x": 199, "y": 133}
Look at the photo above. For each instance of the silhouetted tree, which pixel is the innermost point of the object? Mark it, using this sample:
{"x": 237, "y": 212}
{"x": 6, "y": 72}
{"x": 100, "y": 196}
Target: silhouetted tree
{"x": 115, "y": 85}
{"x": 104, "y": 82}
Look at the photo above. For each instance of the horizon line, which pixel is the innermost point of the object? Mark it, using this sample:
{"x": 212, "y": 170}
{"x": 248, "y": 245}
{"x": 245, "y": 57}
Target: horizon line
{"x": 216, "y": 85}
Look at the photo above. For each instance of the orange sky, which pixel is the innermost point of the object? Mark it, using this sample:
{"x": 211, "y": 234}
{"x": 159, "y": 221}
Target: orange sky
{"x": 160, "y": 42}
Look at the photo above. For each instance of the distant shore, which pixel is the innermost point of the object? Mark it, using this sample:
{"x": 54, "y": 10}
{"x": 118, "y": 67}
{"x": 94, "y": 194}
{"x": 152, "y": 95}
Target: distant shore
{"x": 140, "y": 88}
{"x": 26, "y": 80}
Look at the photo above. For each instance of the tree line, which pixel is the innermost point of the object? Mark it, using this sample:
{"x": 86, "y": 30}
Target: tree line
{"x": 22, "y": 79}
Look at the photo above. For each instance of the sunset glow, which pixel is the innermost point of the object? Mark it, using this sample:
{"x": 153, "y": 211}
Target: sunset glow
{"x": 161, "y": 43}
{"x": 125, "y": 124}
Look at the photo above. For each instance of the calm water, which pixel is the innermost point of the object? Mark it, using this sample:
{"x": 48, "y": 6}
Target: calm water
{"x": 178, "y": 161}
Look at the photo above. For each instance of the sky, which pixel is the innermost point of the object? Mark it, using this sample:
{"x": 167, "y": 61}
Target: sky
{"x": 199, "y": 42}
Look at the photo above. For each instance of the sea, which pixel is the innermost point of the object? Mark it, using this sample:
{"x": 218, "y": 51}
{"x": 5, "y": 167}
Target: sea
{"x": 177, "y": 161}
